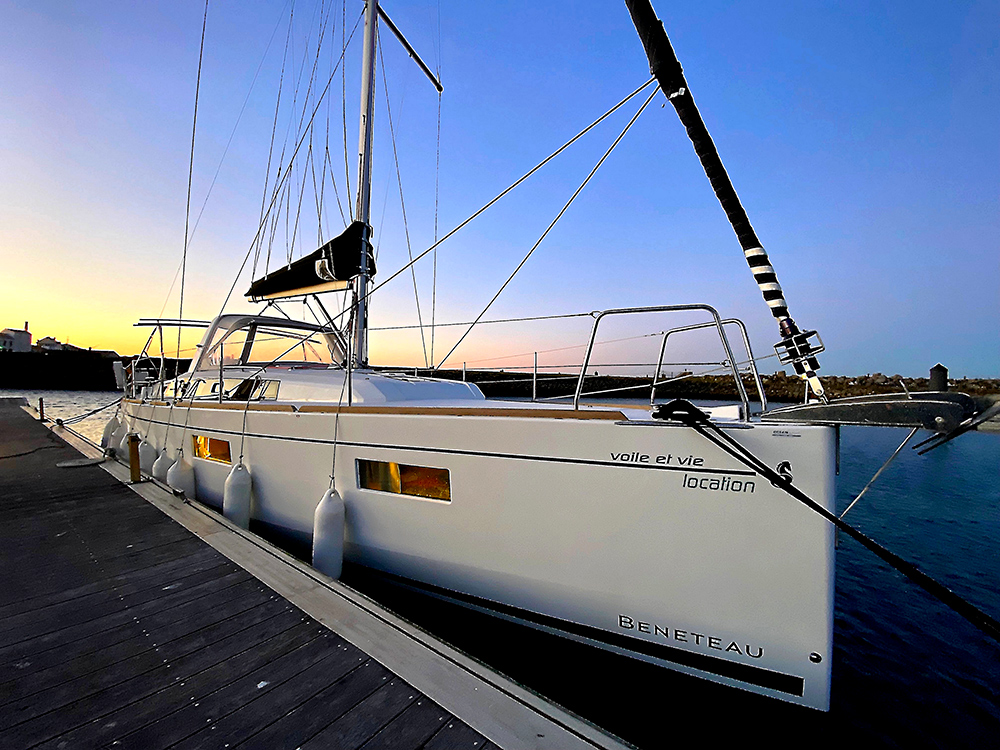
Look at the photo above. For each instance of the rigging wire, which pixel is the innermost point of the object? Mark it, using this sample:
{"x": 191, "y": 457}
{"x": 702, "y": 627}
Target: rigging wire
{"x": 311, "y": 155}
{"x": 317, "y": 194}
{"x": 225, "y": 152}
{"x": 320, "y": 192}
{"x": 549, "y": 228}
{"x": 187, "y": 211}
{"x": 343, "y": 108}
{"x": 437, "y": 194}
{"x": 290, "y": 242}
{"x": 499, "y": 320}
{"x": 402, "y": 206}
{"x": 437, "y": 186}
{"x": 884, "y": 466}
{"x": 322, "y": 176}
{"x": 336, "y": 193}
{"x": 274, "y": 130}
{"x": 566, "y": 349}
{"x": 513, "y": 185}
{"x": 239, "y": 117}
{"x": 286, "y": 172}
{"x": 499, "y": 196}
{"x": 302, "y": 192}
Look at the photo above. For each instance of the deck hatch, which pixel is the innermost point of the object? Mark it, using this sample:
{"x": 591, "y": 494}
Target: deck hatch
{"x": 403, "y": 479}
{"x": 211, "y": 449}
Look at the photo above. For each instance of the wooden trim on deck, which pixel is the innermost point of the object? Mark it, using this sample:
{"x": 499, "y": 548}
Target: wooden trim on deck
{"x": 432, "y": 411}
{"x": 231, "y": 405}
{"x": 450, "y": 411}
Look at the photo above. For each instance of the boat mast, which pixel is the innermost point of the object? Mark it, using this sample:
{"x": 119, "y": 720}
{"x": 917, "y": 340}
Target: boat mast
{"x": 365, "y": 177}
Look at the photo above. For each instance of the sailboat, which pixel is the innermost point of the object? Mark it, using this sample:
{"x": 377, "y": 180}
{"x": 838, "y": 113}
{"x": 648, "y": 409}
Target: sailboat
{"x": 667, "y": 533}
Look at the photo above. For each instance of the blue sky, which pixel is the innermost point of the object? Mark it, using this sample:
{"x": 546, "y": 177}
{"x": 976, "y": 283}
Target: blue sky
{"x": 863, "y": 139}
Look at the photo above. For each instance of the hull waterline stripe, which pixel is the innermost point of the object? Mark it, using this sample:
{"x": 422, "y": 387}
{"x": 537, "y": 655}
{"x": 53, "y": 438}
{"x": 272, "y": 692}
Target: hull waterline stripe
{"x": 459, "y": 452}
{"x": 765, "y": 678}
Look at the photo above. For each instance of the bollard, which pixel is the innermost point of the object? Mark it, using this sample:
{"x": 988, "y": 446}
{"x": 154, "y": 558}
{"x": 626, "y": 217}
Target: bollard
{"x": 41, "y": 410}
{"x": 133, "y": 458}
{"x": 938, "y": 378}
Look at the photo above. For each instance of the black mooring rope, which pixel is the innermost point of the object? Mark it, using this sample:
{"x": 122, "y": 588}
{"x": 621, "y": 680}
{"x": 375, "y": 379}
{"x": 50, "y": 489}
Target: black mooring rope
{"x": 688, "y": 414}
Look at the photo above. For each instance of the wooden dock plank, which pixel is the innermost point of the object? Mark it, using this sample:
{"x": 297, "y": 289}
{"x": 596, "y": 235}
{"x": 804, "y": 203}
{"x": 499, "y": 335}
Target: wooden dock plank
{"x": 366, "y": 719}
{"x": 321, "y": 709}
{"x": 412, "y": 728}
{"x": 76, "y": 611}
{"x": 151, "y": 639}
{"x": 45, "y": 714}
{"x": 80, "y": 570}
{"x": 272, "y": 705}
{"x": 166, "y": 608}
{"x": 83, "y": 726}
{"x": 111, "y": 638}
{"x": 204, "y": 713}
{"x": 121, "y": 627}
{"x": 97, "y": 618}
{"x": 130, "y": 582}
{"x": 225, "y": 636}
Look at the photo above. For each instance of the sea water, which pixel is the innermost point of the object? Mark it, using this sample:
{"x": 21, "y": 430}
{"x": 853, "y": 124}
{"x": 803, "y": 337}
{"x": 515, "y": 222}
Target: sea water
{"x": 907, "y": 670}
{"x": 66, "y": 404}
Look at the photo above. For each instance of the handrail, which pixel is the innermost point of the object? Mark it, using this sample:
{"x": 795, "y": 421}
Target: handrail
{"x": 697, "y": 326}
{"x": 664, "y": 308}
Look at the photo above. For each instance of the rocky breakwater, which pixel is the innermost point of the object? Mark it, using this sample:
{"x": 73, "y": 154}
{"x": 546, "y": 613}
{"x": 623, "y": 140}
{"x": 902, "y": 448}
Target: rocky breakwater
{"x": 779, "y": 387}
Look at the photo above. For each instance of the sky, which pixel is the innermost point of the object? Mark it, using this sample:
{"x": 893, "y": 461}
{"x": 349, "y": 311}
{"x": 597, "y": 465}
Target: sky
{"x": 863, "y": 139}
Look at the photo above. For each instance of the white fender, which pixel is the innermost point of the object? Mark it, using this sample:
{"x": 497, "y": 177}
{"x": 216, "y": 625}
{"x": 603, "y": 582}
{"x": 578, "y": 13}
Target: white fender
{"x": 147, "y": 456}
{"x": 109, "y": 430}
{"x": 328, "y": 534}
{"x": 116, "y": 438}
{"x": 162, "y": 465}
{"x": 180, "y": 477}
{"x": 236, "y": 496}
{"x": 122, "y": 451}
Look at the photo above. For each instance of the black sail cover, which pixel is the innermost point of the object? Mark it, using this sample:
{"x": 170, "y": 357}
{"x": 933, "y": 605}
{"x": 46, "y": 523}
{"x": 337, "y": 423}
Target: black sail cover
{"x": 328, "y": 269}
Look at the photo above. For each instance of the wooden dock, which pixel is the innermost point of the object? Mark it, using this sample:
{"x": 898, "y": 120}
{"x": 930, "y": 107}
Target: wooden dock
{"x": 130, "y": 618}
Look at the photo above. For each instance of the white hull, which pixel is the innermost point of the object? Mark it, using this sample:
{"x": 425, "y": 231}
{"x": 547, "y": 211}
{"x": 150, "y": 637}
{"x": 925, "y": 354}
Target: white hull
{"x": 589, "y": 527}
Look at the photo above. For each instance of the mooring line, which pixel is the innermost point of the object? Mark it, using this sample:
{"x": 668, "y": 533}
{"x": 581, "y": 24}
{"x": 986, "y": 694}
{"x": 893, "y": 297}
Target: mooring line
{"x": 690, "y": 415}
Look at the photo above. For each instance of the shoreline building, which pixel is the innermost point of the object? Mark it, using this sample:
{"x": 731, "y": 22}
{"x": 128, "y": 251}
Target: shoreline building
{"x": 14, "y": 340}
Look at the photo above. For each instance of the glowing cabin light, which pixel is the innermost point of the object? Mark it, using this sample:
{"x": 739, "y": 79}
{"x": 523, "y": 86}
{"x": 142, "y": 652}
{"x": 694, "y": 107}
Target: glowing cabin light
{"x": 211, "y": 449}
{"x": 402, "y": 479}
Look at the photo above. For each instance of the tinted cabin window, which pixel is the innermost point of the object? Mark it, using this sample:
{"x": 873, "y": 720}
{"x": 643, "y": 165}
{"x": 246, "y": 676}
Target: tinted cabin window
{"x": 211, "y": 449}
{"x": 402, "y": 479}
